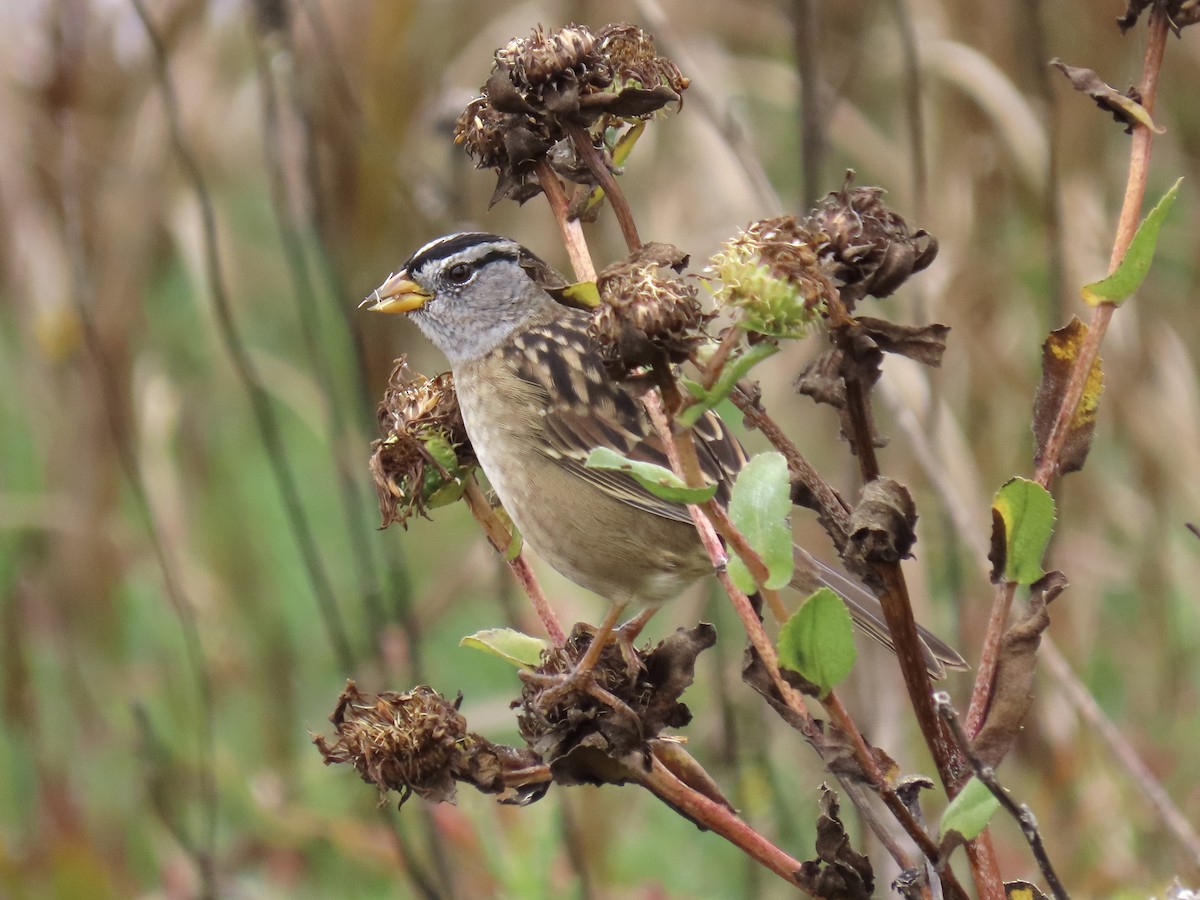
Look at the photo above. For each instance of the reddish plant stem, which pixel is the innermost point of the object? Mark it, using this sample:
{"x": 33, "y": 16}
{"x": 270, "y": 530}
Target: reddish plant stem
{"x": 712, "y": 815}
{"x": 570, "y": 229}
{"x": 1048, "y": 467}
{"x": 877, "y": 781}
{"x": 712, "y": 369}
{"x": 758, "y": 569}
{"x": 500, "y": 538}
{"x": 681, "y": 454}
{"x": 598, "y": 166}
{"x": 981, "y": 854}
{"x": 897, "y": 610}
{"x": 1127, "y": 223}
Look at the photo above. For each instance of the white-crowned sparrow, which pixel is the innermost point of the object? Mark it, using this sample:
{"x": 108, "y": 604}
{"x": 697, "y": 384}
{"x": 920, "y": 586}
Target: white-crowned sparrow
{"x": 536, "y": 399}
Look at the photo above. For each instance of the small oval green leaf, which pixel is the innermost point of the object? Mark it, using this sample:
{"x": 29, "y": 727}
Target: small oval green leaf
{"x": 661, "y": 482}
{"x": 1129, "y": 275}
{"x": 522, "y": 650}
{"x": 1026, "y": 511}
{"x": 818, "y": 640}
{"x": 737, "y": 368}
{"x": 969, "y": 812}
{"x": 759, "y": 507}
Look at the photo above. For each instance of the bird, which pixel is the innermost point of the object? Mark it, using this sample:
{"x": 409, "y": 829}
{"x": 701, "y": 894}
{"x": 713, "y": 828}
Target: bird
{"x": 535, "y": 399}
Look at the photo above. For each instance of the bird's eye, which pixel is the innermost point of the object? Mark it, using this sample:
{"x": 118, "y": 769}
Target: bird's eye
{"x": 459, "y": 273}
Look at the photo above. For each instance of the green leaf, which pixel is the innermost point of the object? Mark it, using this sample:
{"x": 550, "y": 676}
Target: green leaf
{"x": 759, "y": 507}
{"x": 522, "y": 650}
{"x": 1130, "y": 274}
{"x": 1023, "y": 519}
{"x": 969, "y": 812}
{"x": 620, "y": 155}
{"x": 736, "y": 368}
{"x": 583, "y": 294}
{"x": 436, "y": 490}
{"x": 662, "y": 483}
{"x": 818, "y": 640}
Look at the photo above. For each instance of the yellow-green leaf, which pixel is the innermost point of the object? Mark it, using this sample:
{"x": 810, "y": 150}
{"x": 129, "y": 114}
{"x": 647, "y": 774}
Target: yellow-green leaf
{"x": 661, "y": 482}
{"x": 969, "y": 812}
{"x": 759, "y": 507}
{"x": 520, "y": 649}
{"x": 582, "y": 294}
{"x": 1023, "y": 519}
{"x": 818, "y": 640}
{"x": 1130, "y": 274}
{"x": 735, "y": 369}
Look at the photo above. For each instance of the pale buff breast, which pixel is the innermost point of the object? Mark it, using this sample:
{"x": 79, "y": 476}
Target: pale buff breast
{"x": 574, "y": 526}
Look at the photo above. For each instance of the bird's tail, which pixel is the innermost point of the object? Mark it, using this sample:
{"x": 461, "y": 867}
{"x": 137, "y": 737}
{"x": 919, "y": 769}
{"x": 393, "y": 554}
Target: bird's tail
{"x": 867, "y": 612}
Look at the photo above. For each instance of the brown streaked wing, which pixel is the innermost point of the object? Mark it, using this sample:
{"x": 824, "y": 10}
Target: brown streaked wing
{"x": 586, "y": 409}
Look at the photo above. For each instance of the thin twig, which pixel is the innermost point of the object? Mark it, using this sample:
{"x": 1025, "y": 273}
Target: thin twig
{"x": 570, "y": 229}
{"x": 1048, "y": 466}
{"x": 719, "y": 819}
{"x": 500, "y": 538}
{"x": 1135, "y": 191}
{"x": 754, "y": 562}
{"x": 598, "y": 166}
{"x": 260, "y": 402}
{"x": 986, "y": 774}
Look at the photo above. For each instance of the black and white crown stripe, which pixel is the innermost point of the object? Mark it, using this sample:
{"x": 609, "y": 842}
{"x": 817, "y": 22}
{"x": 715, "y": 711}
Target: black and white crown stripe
{"x": 476, "y": 248}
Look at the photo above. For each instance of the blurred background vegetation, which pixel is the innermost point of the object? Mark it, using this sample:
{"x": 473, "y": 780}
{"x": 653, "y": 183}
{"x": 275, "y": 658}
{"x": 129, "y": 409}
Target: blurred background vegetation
{"x": 190, "y": 565}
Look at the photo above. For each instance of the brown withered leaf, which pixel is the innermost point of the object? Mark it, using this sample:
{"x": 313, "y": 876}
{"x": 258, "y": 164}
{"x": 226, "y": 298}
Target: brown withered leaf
{"x": 822, "y": 380}
{"x": 1012, "y": 689}
{"x": 924, "y": 343}
{"x": 1059, "y": 353}
{"x": 589, "y": 742}
{"x": 882, "y": 525}
{"x": 1180, "y": 14}
{"x": 840, "y": 758}
{"x": 839, "y": 871}
{"x": 417, "y": 743}
{"x": 1126, "y": 107}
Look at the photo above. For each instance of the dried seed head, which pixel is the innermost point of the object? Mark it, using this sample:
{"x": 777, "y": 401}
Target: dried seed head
{"x": 549, "y": 83}
{"x": 587, "y": 741}
{"x": 411, "y": 742}
{"x": 646, "y": 319}
{"x": 424, "y": 456}
{"x": 771, "y": 272}
{"x": 869, "y": 246}
{"x": 631, "y": 54}
{"x": 540, "y": 58}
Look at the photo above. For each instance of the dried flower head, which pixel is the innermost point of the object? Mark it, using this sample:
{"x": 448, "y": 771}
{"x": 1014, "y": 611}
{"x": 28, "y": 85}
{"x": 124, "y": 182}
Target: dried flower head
{"x": 646, "y": 319}
{"x": 587, "y": 741}
{"x": 869, "y": 246}
{"x": 424, "y": 457}
{"x": 544, "y": 57}
{"x": 548, "y": 84}
{"x": 417, "y": 742}
{"x": 411, "y": 742}
{"x": 634, "y": 60}
{"x": 772, "y": 274}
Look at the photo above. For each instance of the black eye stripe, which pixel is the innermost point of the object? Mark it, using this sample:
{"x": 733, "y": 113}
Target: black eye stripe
{"x": 458, "y": 245}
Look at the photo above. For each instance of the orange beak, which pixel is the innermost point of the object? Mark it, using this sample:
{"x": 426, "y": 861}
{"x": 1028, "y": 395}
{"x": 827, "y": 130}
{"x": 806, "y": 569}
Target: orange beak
{"x": 398, "y": 294}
